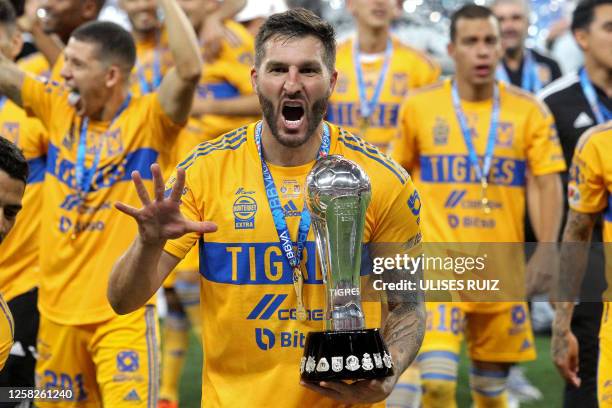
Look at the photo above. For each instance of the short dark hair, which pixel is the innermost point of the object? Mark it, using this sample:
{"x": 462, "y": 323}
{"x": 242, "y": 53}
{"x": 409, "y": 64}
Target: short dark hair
{"x": 12, "y": 161}
{"x": 8, "y": 17}
{"x": 114, "y": 43}
{"x": 470, "y": 12}
{"x": 585, "y": 12}
{"x": 297, "y": 23}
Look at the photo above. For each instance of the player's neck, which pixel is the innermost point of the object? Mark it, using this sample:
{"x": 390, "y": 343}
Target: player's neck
{"x": 149, "y": 36}
{"x": 514, "y": 57}
{"x": 112, "y": 106}
{"x": 372, "y": 40}
{"x": 474, "y": 93}
{"x": 279, "y": 155}
{"x": 599, "y": 75}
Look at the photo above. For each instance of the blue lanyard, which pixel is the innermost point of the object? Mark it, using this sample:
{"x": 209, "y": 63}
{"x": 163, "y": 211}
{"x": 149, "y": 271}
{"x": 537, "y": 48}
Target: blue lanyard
{"x": 275, "y": 205}
{"x": 83, "y": 176}
{"x": 481, "y": 173}
{"x": 530, "y": 81}
{"x": 146, "y": 86}
{"x": 3, "y": 100}
{"x": 601, "y": 112}
{"x": 366, "y": 107}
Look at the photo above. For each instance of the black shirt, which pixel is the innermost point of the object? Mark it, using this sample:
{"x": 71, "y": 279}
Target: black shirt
{"x": 548, "y": 70}
{"x": 573, "y": 116}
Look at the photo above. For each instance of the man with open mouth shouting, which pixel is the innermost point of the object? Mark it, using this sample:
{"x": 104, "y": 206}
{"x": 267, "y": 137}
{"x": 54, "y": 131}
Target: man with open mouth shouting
{"x": 253, "y": 321}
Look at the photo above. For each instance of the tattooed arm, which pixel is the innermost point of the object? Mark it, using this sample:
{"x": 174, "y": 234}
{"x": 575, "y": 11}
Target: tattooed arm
{"x": 574, "y": 257}
{"x": 403, "y": 331}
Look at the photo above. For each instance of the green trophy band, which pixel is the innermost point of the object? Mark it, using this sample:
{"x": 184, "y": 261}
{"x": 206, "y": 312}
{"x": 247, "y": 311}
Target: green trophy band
{"x": 337, "y": 194}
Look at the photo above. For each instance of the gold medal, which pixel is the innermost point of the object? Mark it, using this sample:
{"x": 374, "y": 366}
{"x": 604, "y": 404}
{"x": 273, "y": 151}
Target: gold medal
{"x": 298, "y": 285}
{"x": 484, "y": 200}
{"x": 364, "y": 124}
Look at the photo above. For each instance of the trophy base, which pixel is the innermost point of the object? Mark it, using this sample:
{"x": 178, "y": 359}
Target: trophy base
{"x": 345, "y": 355}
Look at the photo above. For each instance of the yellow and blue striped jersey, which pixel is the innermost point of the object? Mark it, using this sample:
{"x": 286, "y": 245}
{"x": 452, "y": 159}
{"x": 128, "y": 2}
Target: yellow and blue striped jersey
{"x": 83, "y": 239}
{"x": 408, "y": 69}
{"x": 19, "y": 254}
{"x": 432, "y": 146}
{"x": 246, "y": 282}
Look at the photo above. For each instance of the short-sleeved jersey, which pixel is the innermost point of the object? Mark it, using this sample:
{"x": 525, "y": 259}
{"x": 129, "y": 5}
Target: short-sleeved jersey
{"x": 83, "y": 240}
{"x": 7, "y": 331}
{"x": 432, "y": 146}
{"x": 228, "y": 76}
{"x": 149, "y": 54}
{"x": 248, "y": 301}
{"x": 35, "y": 64}
{"x": 19, "y": 254}
{"x": 408, "y": 69}
{"x": 590, "y": 185}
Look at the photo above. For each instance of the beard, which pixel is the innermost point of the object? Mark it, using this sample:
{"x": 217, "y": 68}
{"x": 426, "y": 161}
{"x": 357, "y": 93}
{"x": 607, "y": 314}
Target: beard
{"x": 314, "y": 116}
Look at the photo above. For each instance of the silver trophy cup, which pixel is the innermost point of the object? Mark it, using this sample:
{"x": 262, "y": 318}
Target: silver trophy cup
{"x": 338, "y": 192}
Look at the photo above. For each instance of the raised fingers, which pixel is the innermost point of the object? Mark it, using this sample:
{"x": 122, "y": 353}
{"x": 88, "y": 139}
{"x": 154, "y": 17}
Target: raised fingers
{"x": 127, "y": 209}
{"x": 141, "y": 190}
{"x": 158, "y": 182}
{"x": 177, "y": 188}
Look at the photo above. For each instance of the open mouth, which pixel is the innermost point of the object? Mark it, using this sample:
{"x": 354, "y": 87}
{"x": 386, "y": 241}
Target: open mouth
{"x": 483, "y": 70}
{"x": 293, "y": 114}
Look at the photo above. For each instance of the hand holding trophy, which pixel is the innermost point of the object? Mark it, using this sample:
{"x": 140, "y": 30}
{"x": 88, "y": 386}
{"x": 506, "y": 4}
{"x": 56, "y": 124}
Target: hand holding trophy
{"x": 338, "y": 192}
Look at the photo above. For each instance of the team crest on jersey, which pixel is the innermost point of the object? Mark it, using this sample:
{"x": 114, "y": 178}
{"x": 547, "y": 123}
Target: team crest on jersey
{"x": 505, "y": 134}
{"x": 440, "y": 132}
{"x": 244, "y": 209}
{"x": 114, "y": 145}
{"x": 399, "y": 84}
{"x": 290, "y": 189}
{"x": 127, "y": 361}
{"x": 10, "y": 131}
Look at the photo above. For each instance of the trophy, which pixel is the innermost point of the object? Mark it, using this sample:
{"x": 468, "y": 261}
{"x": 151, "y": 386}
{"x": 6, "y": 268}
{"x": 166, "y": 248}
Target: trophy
{"x": 337, "y": 194}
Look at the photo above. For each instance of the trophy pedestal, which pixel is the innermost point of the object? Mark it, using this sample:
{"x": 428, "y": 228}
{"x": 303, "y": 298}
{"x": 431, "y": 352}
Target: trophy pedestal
{"x": 345, "y": 355}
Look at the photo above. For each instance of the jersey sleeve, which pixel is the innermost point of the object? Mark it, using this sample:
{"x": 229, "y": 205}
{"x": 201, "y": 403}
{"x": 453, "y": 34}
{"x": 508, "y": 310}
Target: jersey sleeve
{"x": 191, "y": 205}
{"x": 404, "y": 145}
{"x": 163, "y": 128}
{"x": 398, "y": 216}
{"x": 544, "y": 153}
{"x": 587, "y": 191}
{"x": 39, "y": 98}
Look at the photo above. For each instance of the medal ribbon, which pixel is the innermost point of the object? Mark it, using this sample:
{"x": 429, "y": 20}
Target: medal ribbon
{"x": 481, "y": 173}
{"x": 146, "y": 86}
{"x": 601, "y": 112}
{"x": 366, "y": 108}
{"x": 84, "y": 177}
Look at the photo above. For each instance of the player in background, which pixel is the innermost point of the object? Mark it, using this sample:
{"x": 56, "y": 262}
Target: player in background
{"x": 13, "y": 177}
{"x": 475, "y": 115}
{"x": 375, "y": 72}
{"x": 97, "y": 132}
{"x": 19, "y": 277}
{"x": 589, "y": 195}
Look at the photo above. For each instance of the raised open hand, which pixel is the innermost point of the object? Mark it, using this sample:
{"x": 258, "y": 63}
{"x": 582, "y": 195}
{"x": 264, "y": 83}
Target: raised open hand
{"x": 161, "y": 219}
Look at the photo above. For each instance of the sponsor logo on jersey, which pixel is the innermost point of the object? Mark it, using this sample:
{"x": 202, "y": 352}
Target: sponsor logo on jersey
{"x": 266, "y": 339}
{"x": 291, "y": 210}
{"x": 127, "y": 361}
{"x": 269, "y": 306}
{"x": 132, "y": 396}
{"x": 244, "y": 209}
{"x": 440, "y": 132}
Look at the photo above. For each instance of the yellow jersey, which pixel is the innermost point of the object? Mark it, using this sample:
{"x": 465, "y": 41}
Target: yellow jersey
{"x": 431, "y": 145}
{"x": 246, "y": 286}
{"x": 408, "y": 68}
{"x": 83, "y": 238}
{"x": 36, "y": 64}
{"x": 7, "y": 331}
{"x": 228, "y": 76}
{"x": 590, "y": 185}
{"x": 153, "y": 60}
{"x": 19, "y": 254}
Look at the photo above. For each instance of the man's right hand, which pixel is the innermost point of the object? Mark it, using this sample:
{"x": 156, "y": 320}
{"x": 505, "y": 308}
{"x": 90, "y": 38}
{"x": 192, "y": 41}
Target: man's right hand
{"x": 161, "y": 219}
